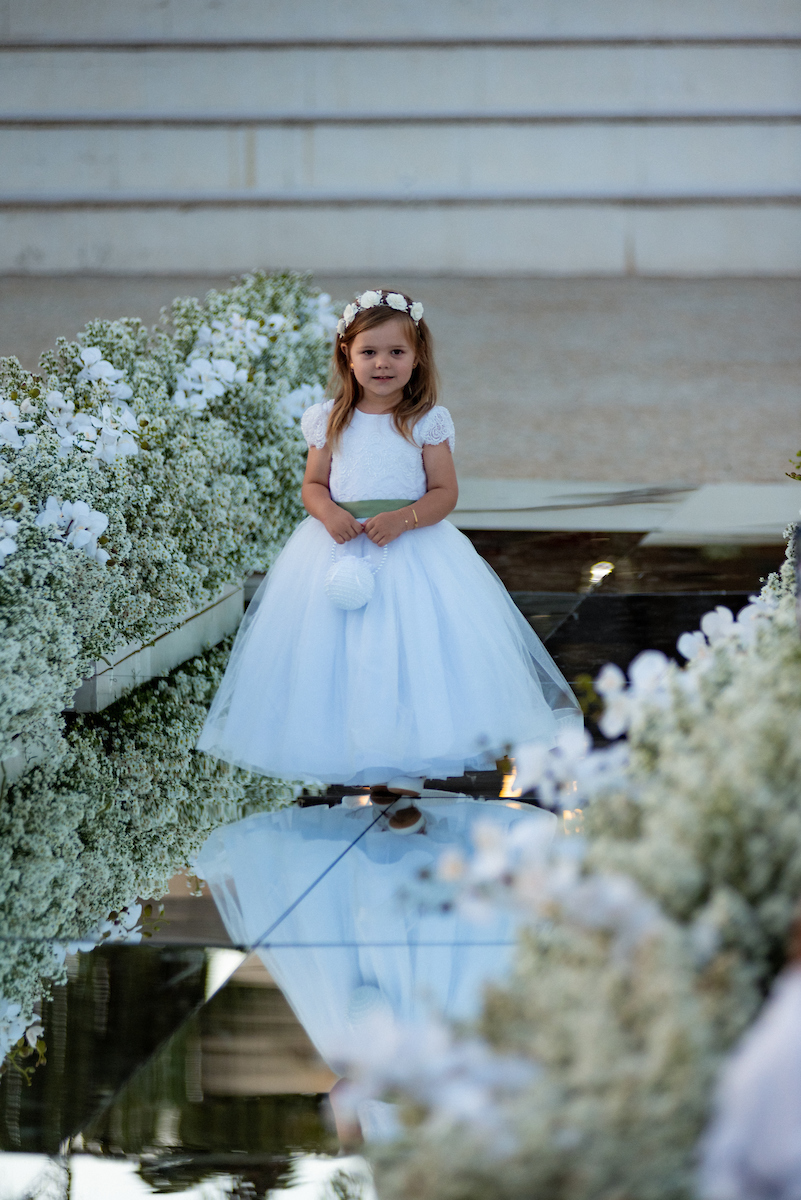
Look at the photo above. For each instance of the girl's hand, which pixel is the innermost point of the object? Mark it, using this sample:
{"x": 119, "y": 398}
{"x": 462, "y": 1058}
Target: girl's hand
{"x": 384, "y": 528}
{"x": 342, "y": 526}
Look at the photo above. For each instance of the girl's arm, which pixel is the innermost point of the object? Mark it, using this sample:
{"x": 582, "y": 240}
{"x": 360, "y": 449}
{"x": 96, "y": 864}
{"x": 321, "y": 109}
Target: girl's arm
{"x": 317, "y": 498}
{"x": 439, "y": 500}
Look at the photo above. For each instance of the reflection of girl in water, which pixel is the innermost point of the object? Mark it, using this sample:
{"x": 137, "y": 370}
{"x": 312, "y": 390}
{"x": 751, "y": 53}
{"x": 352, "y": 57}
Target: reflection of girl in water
{"x": 438, "y": 670}
{"x": 352, "y": 954}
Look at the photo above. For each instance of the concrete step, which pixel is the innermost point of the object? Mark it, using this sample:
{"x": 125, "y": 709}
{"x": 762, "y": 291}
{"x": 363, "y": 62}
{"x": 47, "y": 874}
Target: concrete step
{"x": 405, "y": 163}
{"x": 308, "y": 82}
{"x": 176, "y": 20}
{"x": 520, "y": 237}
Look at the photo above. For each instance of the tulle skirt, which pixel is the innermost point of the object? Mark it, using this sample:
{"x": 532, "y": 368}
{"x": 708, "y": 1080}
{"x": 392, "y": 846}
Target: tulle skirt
{"x": 438, "y": 673}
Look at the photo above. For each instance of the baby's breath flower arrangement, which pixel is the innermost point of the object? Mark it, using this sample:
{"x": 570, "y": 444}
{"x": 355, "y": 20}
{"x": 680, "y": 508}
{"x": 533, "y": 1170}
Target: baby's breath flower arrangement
{"x": 649, "y": 944}
{"x": 128, "y": 803}
{"x": 140, "y": 472}
{"x": 167, "y": 500}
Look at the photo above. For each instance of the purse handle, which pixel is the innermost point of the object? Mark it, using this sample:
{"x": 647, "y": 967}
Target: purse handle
{"x": 375, "y": 570}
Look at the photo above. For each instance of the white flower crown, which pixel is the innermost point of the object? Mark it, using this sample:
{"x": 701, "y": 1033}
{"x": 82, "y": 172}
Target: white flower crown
{"x": 372, "y": 299}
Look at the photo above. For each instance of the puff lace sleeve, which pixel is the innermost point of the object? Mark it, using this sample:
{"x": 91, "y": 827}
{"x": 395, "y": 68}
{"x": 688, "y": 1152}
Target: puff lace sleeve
{"x": 435, "y": 427}
{"x": 314, "y": 424}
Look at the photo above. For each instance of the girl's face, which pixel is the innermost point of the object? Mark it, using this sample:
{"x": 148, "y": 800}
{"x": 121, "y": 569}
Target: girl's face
{"x": 382, "y": 360}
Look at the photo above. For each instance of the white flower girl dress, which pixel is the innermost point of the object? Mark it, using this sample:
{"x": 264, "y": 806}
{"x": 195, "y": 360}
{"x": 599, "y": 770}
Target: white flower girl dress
{"x": 437, "y": 673}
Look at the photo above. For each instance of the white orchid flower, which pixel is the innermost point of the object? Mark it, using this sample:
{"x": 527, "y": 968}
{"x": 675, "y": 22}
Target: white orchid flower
{"x": 531, "y": 761}
{"x": 97, "y": 369}
{"x": 611, "y": 686}
{"x": 60, "y": 419}
{"x": 9, "y": 410}
{"x": 717, "y": 624}
{"x": 89, "y": 356}
{"x": 648, "y": 674}
{"x": 7, "y": 545}
{"x": 33, "y": 1033}
{"x": 458, "y": 1080}
{"x": 225, "y": 368}
{"x": 126, "y": 446}
{"x": 79, "y": 524}
{"x": 201, "y": 376}
{"x": 120, "y": 414}
{"x": 12, "y": 1025}
{"x": 124, "y": 927}
{"x": 9, "y": 436}
{"x": 61, "y": 413}
{"x": 85, "y": 524}
{"x": 52, "y": 514}
{"x": 571, "y": 770}
{"x": 255, "y": 342}
{"x": 692, "y": 645}
{"x": 192, "y": 401}
{"x": 247, "y": 333}
{"x": 106, "y": 446}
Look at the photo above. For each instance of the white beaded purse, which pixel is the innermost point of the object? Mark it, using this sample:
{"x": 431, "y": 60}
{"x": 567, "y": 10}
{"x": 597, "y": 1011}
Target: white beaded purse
{"x": 350, "y": 580}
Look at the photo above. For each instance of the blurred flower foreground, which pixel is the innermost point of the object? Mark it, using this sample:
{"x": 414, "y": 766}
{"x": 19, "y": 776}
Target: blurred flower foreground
{"x": 648, "y": 945}
{"x": 141, "y": 471}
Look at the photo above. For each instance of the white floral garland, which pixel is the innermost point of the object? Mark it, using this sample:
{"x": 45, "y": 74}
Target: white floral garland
{"x": 649, "y": 941}
{"x": 372, "y": 299}
{"x": 119, "y": 510}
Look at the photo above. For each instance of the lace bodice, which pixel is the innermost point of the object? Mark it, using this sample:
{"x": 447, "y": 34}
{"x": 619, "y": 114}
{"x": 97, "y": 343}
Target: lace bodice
{"x": 373, "y": 461}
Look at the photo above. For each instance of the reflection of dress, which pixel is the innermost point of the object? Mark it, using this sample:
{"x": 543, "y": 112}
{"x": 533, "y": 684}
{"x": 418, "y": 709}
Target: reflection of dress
{"x": 438, "y": 669}
{"x": 352, "y": 930}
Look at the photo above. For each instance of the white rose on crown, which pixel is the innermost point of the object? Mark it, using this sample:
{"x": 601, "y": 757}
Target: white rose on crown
{"x": 369, "y": 300}
{"x": 349, "y": 313}
{"x": 396, "y": 300}
{"x": 416, "y": 311}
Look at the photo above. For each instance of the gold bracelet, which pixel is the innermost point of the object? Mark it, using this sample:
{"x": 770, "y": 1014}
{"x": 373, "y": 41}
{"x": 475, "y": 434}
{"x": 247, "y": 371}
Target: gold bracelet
{"x": 414, "y": 514}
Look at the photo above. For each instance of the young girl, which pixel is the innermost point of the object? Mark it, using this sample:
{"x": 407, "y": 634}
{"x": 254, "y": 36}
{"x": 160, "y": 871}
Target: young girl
{"x": 438, "y": 671}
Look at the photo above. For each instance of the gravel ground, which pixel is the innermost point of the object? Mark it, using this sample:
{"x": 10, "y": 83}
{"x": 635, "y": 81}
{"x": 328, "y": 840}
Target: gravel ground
{"x": 637, "y": 380}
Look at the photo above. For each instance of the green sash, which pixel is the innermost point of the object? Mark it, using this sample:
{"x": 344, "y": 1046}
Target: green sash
{"x": 362, "y": 509}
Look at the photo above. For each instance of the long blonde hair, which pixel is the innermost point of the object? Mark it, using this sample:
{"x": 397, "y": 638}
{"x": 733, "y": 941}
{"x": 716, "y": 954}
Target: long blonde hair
{"x": 420, "y": 393}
